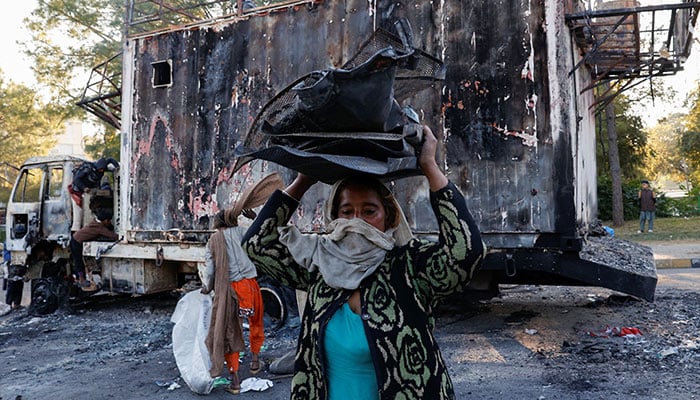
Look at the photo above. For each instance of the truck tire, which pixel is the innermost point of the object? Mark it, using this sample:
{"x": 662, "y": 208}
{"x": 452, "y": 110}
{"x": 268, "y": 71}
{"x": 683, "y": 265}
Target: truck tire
{"x": 274, "y": 305}
{"x": 45, "y": 296}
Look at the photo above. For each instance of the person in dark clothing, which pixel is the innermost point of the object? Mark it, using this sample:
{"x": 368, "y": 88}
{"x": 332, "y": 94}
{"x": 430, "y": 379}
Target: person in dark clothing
{"x": 647, "y": 205}
{"x": 15, "y": 285}
{"x": 14, "y": 280}
{"x": 101, "y": 230}
{"x": 89, "y": 174}
{"x": 86, "y": 177}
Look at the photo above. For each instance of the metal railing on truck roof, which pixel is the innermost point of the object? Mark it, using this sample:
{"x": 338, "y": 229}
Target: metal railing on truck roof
{"x": 151, "y": 16}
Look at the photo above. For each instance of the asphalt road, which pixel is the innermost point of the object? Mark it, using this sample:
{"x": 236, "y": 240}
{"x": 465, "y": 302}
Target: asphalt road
{"x": 532, "y": 342}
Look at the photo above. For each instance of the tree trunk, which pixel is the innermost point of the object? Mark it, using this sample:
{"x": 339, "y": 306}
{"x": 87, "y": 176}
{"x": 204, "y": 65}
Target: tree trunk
{"x": 618, "y": 213}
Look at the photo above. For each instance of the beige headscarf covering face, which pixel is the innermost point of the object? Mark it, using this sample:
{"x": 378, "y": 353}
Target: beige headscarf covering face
{"x": 351, "y": 249}
{"x": 401, "y": 233}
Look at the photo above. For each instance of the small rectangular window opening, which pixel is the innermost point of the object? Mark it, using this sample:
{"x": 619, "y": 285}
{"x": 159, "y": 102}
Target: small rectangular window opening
{"x": 162, "y": 73}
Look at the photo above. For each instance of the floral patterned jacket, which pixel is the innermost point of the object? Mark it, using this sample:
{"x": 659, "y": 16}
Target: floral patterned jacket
{"x": 397, "y": 301}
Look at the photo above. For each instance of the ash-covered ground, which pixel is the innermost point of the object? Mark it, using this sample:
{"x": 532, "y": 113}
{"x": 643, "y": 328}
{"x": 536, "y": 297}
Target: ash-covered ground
{"x": 531, "y": 342}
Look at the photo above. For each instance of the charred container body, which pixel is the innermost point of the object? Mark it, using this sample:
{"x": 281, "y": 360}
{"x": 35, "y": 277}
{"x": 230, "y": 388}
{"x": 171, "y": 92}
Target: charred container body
{"x": 517, "y": 131}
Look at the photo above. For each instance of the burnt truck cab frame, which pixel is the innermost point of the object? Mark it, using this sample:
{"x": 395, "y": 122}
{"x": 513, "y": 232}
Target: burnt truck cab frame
{"x": 39, "y": 216}
{"x": 38, "y": 222}
{"x": 38, "y": 231}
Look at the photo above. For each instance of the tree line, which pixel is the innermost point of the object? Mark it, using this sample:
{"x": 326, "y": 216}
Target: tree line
{"x": 667, "y": 152}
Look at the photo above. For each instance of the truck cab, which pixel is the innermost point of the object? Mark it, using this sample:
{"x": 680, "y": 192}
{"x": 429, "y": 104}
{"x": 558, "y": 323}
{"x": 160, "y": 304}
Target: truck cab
{"x": 38, "y": 224}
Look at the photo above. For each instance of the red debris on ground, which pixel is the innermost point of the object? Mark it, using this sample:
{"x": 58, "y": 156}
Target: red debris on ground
{"x": 616, "y": 331}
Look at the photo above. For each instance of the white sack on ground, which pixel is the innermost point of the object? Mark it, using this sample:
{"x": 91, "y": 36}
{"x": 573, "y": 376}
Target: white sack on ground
{"x": 191, "y": 317}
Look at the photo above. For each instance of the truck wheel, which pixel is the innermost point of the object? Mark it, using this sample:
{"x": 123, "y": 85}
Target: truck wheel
{"x": 44, "y": 299}
{"x": 273, "y": 303}
{"x": 47, "y": 295}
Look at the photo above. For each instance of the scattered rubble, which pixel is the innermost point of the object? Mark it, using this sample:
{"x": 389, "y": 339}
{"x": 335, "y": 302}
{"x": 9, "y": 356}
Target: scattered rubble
{"x": 536, "y": 339}
{"x": 622, "y": 254}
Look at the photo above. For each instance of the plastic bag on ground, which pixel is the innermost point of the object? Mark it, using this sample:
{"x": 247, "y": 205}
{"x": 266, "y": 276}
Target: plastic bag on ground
{"x": 191, "y": 317}
{"x": 255, "y": 384}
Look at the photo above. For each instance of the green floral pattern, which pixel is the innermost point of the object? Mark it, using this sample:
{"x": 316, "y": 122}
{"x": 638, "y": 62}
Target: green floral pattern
{"x": 397, "y": 301}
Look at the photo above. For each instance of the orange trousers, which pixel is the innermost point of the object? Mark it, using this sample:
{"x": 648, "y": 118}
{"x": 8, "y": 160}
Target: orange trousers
{"x": 249, "y": 300}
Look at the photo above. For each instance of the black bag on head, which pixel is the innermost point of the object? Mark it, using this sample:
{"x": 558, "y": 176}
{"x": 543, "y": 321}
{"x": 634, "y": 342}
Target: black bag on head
{"x": 333, "y": 122}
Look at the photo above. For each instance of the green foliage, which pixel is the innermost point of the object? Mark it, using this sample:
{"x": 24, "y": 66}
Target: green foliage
{"x": 674, "y": 145}
{"x": 679, "y": 207}
{"x": 690, "y": 149}
{"x": 105, "y": 145}
{"x": 630, "y": 189}
{"x": 666, "y": 159}
{"x": 689, "y": 146}
{"x": 631, "y": 141}
{"x": 69, "y": 38}
{"x": 28, "y": 127}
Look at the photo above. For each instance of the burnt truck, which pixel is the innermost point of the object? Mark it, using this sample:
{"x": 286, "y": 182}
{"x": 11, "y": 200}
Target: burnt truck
{"x": 39, "y": 218}
{"x": 514, "y": 108}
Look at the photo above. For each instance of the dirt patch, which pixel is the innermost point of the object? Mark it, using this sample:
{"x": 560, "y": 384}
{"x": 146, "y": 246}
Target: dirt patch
{"x": 567, "y": 342}
{"x": 532, "y": 342}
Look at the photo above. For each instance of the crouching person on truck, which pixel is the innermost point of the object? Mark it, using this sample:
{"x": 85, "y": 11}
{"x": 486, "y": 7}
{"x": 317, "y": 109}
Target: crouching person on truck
{"x": 101, "y": 229}
{"x": 86, "y": 177}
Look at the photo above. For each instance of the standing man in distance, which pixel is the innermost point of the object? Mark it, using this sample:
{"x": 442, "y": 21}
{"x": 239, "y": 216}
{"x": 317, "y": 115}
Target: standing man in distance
{"x": 647, "y": 206}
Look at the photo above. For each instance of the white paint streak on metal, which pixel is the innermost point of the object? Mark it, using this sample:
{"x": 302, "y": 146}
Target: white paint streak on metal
{"x": 551, "y": 8}
{"x": 446, "y": 132}
{"x": 128, "y": 125}
{"x": 533, "y": 203}
{"x": 268, "y": 74}
{"x": 442, "y": 36}
{"x": 528, "y": 139}
{"x": 531, "y": 140}
{"x": 531, "y": 102}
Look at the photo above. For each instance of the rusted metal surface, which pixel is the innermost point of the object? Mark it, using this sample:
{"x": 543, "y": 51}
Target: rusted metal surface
{"x": 506, "y": 143}
{"x": 146, "y": 17}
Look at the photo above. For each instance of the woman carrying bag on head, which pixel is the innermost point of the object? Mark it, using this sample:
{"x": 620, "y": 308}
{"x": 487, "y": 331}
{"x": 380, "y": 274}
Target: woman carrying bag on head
{"x": 367, "y": 328}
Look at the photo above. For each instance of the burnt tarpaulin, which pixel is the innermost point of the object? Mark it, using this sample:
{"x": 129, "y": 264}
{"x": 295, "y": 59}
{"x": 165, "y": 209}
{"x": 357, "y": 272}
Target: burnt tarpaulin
{"x": 331, "y": 123}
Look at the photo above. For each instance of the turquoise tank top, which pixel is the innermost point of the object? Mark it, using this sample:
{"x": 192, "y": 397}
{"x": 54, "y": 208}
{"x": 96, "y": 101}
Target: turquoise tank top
{"x": 349, "y": 369}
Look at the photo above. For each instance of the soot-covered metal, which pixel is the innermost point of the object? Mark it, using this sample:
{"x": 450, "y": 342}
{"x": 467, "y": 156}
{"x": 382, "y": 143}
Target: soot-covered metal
{"x": 494, "y": 102}
{"x": 516, "y": 135}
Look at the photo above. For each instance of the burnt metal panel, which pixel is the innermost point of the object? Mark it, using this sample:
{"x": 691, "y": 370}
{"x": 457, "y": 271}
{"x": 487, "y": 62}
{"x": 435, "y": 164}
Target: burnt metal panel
{"x": 495, "y": 99}
{"x": 492, "y": 110}
{"x": 183, "y": 134}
